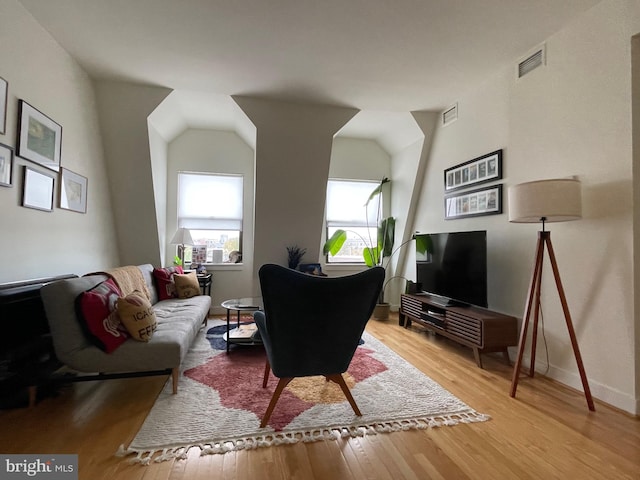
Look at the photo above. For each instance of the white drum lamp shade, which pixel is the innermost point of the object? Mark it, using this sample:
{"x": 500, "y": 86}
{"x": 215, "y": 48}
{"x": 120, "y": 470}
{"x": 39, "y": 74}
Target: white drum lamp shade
{"x": 556, "y": 200}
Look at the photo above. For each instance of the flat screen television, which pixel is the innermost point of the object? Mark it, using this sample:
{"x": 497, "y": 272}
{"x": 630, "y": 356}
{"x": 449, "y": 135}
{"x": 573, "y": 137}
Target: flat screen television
{"x": 453, "y": 267}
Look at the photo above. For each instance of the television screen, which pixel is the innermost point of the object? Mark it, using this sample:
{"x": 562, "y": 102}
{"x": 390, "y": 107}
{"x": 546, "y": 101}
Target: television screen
{"x": 453, "y": 266}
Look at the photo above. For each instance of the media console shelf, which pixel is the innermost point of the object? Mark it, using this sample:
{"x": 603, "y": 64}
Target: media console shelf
{"x": 478, "y": 328}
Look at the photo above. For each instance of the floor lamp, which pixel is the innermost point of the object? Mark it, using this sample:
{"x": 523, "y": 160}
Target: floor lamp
{"x": 182, "y": 237}
{"x": 545, "y": 201}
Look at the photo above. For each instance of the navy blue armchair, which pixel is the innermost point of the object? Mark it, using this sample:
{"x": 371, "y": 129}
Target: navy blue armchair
{"x": 312, "y": 325}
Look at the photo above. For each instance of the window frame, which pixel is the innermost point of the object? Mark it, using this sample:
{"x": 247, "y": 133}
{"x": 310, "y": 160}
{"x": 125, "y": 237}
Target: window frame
{"x": 200, "y": 223}
{"x": 367, "y": 223}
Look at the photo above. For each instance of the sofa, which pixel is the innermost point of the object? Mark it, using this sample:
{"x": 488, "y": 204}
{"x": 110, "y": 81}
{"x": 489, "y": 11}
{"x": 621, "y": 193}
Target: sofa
{"x": 178, "y": 321}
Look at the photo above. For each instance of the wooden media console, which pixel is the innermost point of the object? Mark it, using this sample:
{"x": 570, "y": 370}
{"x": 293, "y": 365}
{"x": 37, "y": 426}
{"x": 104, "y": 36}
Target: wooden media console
{"x": 480, "y": 329}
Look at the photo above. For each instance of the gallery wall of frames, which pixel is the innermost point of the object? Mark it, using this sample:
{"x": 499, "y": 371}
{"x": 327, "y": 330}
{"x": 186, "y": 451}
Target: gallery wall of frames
{"x": 43, "y": 178}
{"x": 463, "y": 198}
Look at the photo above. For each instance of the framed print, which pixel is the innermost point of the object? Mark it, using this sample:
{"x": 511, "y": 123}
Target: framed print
{"x": 483, "y": 201}
{"x": 6, "y": 165}
{"x": 199, "y": 254}
{"x": 39, "y": 137}
{"x": 37, "y": 190}
{"x": 73, "y": 191}
{"x": 479, "y": 170}
{"x": 4, "y": 93}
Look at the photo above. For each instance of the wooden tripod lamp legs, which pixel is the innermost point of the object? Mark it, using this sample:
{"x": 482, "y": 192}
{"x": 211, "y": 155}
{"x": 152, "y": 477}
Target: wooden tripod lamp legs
{"x": 544, "y": 240}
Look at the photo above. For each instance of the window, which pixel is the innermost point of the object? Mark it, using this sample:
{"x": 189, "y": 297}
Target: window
{"x": 346, "y": 210}
{"x": 210, "y": 206}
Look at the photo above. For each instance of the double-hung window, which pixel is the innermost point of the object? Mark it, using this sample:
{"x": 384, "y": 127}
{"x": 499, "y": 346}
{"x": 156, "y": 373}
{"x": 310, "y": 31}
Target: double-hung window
{"x": 210, "y": 206}
{"x": 347, "y": 210}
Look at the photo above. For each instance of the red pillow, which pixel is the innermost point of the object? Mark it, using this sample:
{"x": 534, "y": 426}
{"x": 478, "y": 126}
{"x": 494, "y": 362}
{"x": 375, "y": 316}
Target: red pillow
{"x": 164, "y": 281}
{"x": 97, "y": 309}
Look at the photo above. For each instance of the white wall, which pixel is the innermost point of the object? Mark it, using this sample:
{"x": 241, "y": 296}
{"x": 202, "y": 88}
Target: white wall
{"x": 158, "y": 151}
{"x": 293, "y": 150}
{"x": 482, "y": 127}
{"x": 408, "y": 172}
{"x": 635, "y": 52}
{"x": 124, "y": 109}
{"x": 358, "y": 158}
{"x": 36, "y": 243}
{"x": 216, "y": 152}
{"x": 571, "y": 117}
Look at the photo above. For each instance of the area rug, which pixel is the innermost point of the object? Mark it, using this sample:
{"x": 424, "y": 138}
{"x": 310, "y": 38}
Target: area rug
{"x": 220, "y": 402}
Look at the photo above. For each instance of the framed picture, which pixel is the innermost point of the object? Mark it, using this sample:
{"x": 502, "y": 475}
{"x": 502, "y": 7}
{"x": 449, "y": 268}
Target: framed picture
{"x": 73, "y": 191}
{"x": 483, "y": 201}
{"x": 38, "y": 190}
{"x": 39, "y": 137}
{"x": 479, "y": 170}
{"x": 6, "y": 165}
{"x": 199, "y": 254}
{"x": 4, "y": 92}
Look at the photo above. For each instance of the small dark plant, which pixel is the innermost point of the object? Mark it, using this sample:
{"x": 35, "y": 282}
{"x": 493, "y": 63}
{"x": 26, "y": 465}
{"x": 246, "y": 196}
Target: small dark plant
{"x": 295, "y": 254}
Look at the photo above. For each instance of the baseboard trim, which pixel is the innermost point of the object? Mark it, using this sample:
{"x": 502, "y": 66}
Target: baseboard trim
{"x": 616, "y": 399}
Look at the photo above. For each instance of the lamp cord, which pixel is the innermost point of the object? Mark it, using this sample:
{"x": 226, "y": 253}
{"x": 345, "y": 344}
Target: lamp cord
{"x": 544, "y": 339}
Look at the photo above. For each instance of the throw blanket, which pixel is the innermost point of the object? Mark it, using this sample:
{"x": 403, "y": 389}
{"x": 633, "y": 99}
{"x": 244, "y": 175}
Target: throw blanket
{"x": 128, "y": 279}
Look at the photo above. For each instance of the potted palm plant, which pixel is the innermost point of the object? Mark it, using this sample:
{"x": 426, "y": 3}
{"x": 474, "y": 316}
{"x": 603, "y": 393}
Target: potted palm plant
{"x": 374, "y": 255}
{"x": 383, "y": 249}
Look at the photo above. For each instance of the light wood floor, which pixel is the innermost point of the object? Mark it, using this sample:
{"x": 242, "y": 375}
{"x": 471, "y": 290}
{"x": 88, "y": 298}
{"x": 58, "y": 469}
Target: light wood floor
{"x": 546, "y": 432}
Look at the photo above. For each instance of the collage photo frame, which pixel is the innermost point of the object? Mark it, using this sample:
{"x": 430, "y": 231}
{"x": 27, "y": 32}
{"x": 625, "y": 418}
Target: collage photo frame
{"x": 479, "y": 201}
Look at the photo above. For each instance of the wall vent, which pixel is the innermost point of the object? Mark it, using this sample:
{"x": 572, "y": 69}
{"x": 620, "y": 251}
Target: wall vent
{"x": 450, "y": 115}
{"x": 531, "y": 62}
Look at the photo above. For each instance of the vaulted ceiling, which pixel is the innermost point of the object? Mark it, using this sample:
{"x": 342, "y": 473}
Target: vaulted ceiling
{"x": 374, "y": 55}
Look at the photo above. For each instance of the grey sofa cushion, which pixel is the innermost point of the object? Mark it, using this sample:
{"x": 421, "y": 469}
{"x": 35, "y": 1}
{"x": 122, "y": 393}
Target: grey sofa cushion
{"x": 59, "y": 304}
{"x": 178, "y": 323}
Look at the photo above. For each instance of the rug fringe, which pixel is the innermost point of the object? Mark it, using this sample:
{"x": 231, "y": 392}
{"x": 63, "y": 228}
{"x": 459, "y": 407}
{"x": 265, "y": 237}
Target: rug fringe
{"x": 145, "y": 457}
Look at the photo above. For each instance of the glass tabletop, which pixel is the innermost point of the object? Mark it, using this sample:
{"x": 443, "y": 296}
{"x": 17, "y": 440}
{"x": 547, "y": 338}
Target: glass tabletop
{"x": 245, "y": 303}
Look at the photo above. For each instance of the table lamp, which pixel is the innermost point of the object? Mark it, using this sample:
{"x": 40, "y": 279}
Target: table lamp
{"x": 545, "y": 201}
{"x": 182, "y": 237}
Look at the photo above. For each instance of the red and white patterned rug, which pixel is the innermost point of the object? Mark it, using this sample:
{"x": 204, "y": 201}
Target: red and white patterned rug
{"x": 220, "y": 402}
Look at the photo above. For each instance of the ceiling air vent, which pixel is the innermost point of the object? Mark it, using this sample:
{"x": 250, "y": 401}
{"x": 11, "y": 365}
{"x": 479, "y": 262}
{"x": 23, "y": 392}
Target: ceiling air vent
{"x": 533, "y": 61}
{"x": 450, "y": 115}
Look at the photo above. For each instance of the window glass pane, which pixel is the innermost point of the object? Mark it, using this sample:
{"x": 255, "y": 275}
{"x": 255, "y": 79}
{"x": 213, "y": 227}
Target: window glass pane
{"x": 210, "y": 206}
{"x": 357, "y": 239}
{"x": 217, "y": 246}
{"x": 346, "y": 210}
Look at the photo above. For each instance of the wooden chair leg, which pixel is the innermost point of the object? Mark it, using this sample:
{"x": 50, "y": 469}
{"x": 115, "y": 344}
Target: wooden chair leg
{"x": 33, "y": 395}
{"x": 175, "y": 375}
{"x": 339, "y": 379}
{"x": 267, "y": 370}
{"x": 283, "y": 382}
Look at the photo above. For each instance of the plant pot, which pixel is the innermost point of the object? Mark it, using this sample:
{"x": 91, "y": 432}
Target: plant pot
{"x": 381, "y": 311}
